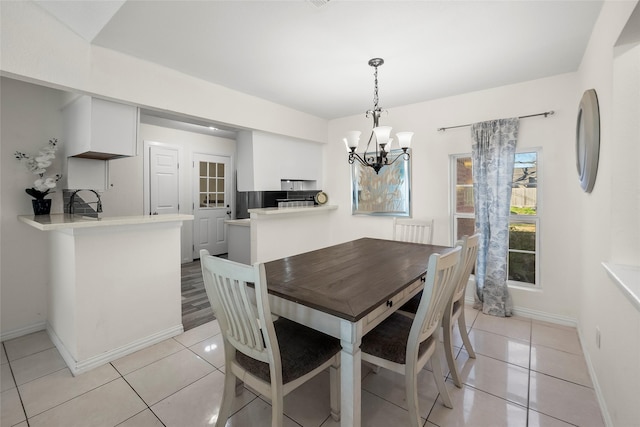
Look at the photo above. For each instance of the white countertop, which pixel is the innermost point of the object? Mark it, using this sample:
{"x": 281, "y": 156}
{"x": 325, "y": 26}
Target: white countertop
{"x": 245, "y": 222}
{"x": 627, "y": 277}
{"x": 66, "y": 221}
{"x": 294, "y": 210}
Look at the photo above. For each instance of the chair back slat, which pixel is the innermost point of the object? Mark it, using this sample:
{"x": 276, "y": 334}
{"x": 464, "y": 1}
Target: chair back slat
{"x": 441, "y": 276}
{"x": 413, "y": 231}
{"x": 240, "y": 313}
{"x": 467, "y": 259}
{"x": 235, "y": 304}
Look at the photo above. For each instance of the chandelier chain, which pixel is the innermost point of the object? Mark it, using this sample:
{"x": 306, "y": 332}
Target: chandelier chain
{"x": 375, "y": 89}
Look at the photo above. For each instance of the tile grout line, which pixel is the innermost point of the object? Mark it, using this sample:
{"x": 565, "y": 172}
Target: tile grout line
{"x": 24, "y": 410}
{"x": 41, "y": 376}
{"x": 175, "y": 392}
{"x": 542, "y": 373}
{"x": 88, "y": 391}
{"x": 526, "y": 407}
{"x": 261, "y": 397}
{"x": 137, "y": 394}
{"x": 66, "y": 401}
{"x": 393, "y": 403}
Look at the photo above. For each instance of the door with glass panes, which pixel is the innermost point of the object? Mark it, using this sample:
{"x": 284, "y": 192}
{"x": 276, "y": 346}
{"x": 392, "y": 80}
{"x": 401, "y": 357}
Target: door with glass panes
{"x": 212, "y": 203}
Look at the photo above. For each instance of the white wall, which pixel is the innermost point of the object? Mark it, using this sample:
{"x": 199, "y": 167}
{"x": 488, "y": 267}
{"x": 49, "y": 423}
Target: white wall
{"x": 625, "y": 239}
{"x": 430, "y": 175}
{"x": 294, "y": 234}
{"x": 38, "y": 48}
{"x": 30, "y": 117}
{"x": 603, "y": 212}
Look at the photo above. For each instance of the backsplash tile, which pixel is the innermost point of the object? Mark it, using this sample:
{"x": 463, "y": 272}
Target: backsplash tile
{"x": 80, "y": 206}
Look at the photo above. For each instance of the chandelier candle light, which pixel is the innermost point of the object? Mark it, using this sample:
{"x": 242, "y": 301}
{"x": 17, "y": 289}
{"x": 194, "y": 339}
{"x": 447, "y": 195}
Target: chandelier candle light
{"x": 381, "y": 133}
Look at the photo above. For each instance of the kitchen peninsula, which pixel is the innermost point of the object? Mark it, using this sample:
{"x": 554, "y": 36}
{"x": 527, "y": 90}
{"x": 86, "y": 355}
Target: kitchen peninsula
{"x": 280, "y": 232}
{"x": 114, "y": 284}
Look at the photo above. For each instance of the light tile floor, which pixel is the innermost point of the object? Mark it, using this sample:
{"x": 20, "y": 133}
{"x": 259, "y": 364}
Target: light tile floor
{"x": 527, "y": 373}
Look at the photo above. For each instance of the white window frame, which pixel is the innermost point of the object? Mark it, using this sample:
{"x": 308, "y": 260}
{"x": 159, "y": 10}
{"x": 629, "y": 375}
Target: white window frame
{"x": 452, "y": 195}
{"x": 512, "y": 219}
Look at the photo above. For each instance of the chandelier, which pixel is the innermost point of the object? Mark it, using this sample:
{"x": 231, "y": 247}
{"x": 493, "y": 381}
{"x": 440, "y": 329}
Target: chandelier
{"x": 380, "y": 158}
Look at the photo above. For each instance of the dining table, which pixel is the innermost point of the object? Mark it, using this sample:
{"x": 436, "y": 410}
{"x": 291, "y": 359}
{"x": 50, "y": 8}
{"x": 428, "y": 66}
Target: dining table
{"x": 345, "y": 290}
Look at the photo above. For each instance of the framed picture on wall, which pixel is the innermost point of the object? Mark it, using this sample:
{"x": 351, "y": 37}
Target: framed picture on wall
{"x": 385, "y": 193}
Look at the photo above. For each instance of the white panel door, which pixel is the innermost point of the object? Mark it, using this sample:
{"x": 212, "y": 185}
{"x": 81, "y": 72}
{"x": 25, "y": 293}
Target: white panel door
{"x": 212, "y": 201}
{"x": 164, "y": 190}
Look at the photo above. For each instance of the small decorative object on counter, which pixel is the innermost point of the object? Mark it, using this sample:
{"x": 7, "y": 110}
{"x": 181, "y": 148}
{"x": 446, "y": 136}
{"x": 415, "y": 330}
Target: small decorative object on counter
{"x": 43, "y": 185}
{"x": 321, "y": 198}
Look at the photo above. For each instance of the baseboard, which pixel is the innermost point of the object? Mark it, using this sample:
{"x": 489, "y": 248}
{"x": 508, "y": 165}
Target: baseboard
{"x": 538, "y": 315}
{"x": 545, "y": 317}
{"x": 79, "y": 367}
{"x": 5, "y": 336}
{"x": 596, "y": 385}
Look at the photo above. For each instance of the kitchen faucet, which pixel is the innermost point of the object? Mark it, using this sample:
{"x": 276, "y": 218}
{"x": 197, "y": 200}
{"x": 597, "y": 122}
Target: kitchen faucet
{"x": 73, "y": 196}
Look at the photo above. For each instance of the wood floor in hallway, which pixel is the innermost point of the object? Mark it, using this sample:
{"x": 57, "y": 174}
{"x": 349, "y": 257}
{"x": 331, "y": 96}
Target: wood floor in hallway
{"x": 196, "y": 309}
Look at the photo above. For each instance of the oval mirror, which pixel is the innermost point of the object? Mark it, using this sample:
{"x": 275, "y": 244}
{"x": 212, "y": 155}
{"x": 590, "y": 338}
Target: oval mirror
{"x": 588, "y": 139}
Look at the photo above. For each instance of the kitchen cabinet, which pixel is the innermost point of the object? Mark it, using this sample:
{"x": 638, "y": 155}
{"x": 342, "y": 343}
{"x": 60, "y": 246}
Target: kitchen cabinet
{"x": 99, "y": 129}
{"x": 265, "y": 159}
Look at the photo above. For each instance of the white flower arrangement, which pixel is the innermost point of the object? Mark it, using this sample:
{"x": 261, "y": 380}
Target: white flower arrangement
{"x": 38, "y": 165}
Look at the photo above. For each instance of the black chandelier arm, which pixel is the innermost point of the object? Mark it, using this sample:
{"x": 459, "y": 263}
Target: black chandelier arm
{"x": 353, "y": 156}
{"x": 379, "y": 161}
{"x": 364, "y": 161}
{"x": 404, "y": 155}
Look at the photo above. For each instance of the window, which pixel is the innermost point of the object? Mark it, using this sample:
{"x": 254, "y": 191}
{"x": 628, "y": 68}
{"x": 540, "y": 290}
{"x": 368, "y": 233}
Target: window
{"x": 212, "y": 176}
{"x": 524, "y": 224}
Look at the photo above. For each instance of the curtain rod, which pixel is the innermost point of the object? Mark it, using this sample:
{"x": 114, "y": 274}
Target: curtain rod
{"x": 545, "y": 114}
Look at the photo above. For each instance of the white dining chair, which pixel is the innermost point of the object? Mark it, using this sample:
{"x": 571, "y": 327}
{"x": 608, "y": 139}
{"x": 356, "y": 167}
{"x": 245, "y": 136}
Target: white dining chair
{"x": 413, "y": 230}
{"x": 405, "y": 345}
{"x": 454, "y": 311}
{"x": 272, "y": 357}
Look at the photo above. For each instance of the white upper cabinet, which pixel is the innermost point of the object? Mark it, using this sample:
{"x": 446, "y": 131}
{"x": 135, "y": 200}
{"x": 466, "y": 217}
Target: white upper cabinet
{"x": 100, "y": 129}
{"x": 265, "y": 159}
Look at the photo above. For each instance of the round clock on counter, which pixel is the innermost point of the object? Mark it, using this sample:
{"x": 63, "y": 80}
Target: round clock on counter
{"x": 321, "y": 198}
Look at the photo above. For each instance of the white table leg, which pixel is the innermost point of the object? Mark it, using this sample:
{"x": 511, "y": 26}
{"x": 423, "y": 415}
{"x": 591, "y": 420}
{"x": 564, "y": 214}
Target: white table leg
{"x": 350, "y": 374}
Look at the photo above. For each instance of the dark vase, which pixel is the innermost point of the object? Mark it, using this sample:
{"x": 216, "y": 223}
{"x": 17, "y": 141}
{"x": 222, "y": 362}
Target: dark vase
{"x": 41, "y": 206}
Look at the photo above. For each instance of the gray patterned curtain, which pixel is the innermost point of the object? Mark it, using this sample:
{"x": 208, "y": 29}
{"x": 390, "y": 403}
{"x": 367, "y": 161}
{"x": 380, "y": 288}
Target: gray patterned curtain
{"x": 493, "y": 152}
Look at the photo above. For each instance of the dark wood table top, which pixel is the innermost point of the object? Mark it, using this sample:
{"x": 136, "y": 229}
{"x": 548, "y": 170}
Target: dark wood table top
{"x": 351, "y": 279}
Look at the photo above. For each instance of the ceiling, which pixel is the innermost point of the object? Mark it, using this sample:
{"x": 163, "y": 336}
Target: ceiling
{"x": 311, "y": 55}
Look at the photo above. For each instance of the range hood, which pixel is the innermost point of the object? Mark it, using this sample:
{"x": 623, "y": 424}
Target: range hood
{"x": 99, "y": 129}
{"x": 95, "y": 155}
